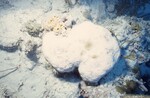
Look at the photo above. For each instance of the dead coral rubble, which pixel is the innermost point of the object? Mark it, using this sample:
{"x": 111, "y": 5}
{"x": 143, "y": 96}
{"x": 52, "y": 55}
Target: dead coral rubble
{"x": 33, "y": 28}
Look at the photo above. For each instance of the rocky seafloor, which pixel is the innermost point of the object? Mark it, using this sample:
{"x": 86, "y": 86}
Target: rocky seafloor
{"x": 25, "y": 73}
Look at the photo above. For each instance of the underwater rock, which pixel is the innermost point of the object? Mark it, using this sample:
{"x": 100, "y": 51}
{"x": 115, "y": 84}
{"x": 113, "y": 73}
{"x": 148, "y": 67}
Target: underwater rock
{"x": 33, "y": 28}
{"x": 133, "y": 37}
{"x": 129, "y": 88}
{"x": 31, "y": 50}
{"x": 71, "y": 2}
{"x": 90, "y": 47}
{"x": 59, "y": 25}
{"x": 87, "y": 13}
{"x": 120, "y": 89}
{"x": 11, "y": 47}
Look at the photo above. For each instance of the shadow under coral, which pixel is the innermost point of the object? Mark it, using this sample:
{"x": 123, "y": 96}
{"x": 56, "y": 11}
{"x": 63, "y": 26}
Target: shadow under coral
{"x": 72, "y": 77}
{"x": 120, "y": 69}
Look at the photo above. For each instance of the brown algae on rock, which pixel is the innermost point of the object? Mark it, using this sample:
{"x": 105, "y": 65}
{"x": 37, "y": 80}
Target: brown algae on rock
{"x": 131, "y": 56}
{"x": 129, "y": 87}
{"x": 136, "y": 27}
{"x": 120, "y": 89}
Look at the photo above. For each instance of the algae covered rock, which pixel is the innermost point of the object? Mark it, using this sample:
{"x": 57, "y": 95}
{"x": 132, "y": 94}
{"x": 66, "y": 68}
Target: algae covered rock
{"x": 71, "y": 2}
{"x": 129, "y": 87}
{"x": 59, "y": 25}
{"x": 87, "y": 46}
{"x": 33, "y": 28}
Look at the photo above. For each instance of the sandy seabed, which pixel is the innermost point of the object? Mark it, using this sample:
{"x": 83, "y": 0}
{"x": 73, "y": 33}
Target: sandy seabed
{"x": 24, "y": 72}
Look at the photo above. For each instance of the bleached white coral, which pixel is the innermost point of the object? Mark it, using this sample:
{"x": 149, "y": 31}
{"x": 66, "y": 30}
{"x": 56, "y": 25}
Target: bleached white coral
{"x": 88, "y": 46}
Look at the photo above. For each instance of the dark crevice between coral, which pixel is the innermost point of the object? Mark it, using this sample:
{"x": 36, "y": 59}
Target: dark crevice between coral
{"x": 146, "y": 79}
{"x": 145, "y": 75}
